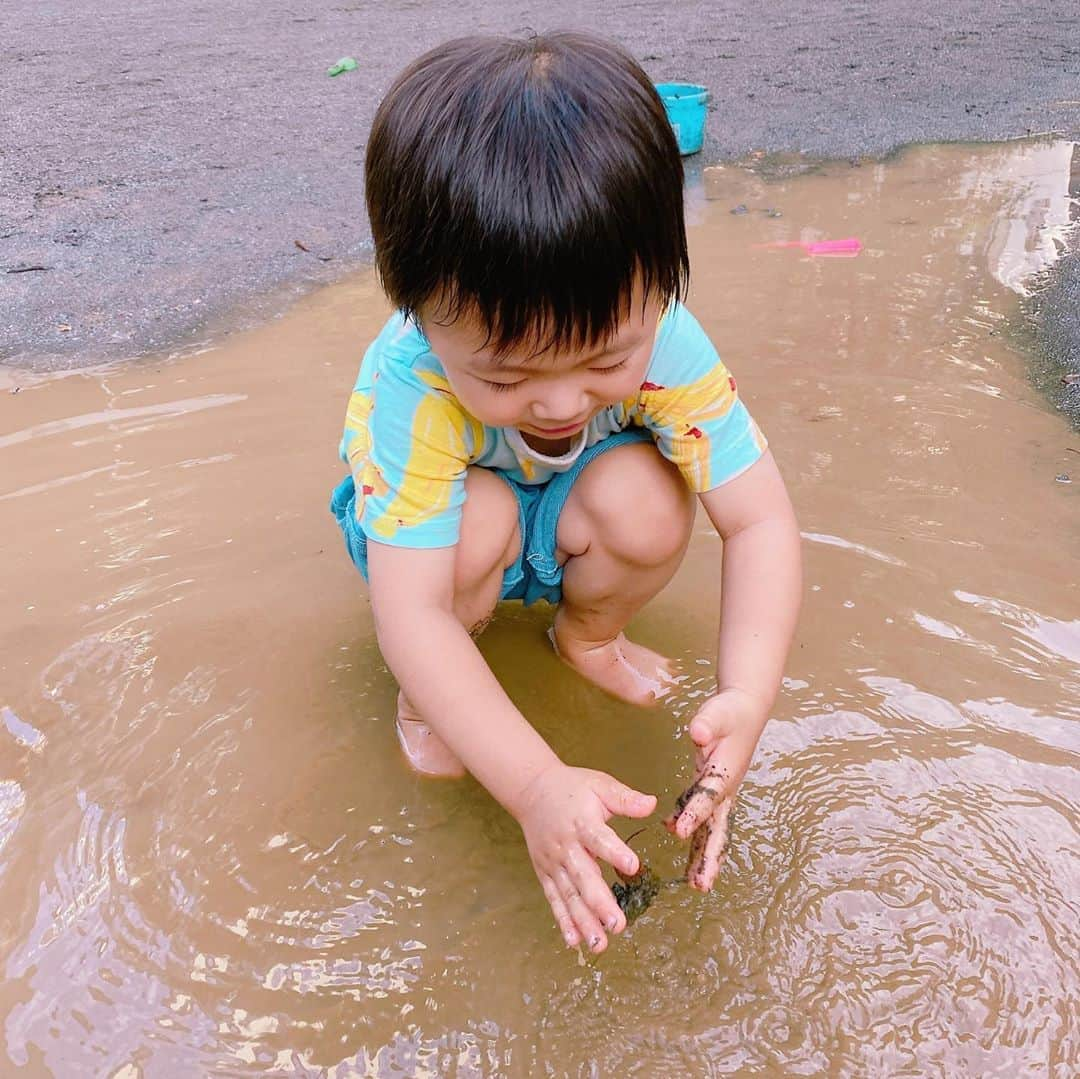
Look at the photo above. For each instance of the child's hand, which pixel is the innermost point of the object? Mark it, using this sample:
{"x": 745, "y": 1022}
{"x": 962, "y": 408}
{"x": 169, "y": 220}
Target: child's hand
{"x": 726, "y": 732}
{"x": 564, "y": 814}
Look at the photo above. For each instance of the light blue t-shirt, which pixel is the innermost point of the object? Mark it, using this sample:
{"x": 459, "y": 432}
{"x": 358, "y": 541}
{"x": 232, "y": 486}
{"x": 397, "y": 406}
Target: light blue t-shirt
{"x": 408, "y": 439}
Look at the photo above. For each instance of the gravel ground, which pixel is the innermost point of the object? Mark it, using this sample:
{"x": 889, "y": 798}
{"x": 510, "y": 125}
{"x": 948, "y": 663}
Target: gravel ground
{"x": 162, "y": 161}
{"x": 1056, "y": 315}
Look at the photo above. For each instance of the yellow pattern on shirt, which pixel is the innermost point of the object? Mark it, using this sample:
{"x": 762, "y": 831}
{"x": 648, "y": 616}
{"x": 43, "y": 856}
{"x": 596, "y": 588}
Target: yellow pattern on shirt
{"x": 685, "y": 410}
{"x": 444, "y": 438}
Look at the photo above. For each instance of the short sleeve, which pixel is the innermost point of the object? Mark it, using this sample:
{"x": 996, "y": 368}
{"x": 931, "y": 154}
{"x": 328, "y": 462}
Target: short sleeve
{"x": 691, "y": 405}
{"x": 408, "y": 443}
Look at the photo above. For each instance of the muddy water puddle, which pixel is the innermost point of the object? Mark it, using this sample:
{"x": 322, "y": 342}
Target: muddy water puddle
{"x": 212, "y": 860}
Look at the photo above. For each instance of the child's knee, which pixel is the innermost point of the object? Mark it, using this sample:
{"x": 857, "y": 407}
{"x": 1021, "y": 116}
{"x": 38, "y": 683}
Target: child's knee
{"x": 639, "y": 506}
{"x": 489, "y": 539}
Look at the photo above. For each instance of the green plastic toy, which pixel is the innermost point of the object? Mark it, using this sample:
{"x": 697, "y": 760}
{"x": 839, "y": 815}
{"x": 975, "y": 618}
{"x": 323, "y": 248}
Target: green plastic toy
{"x": 346, "y": 63}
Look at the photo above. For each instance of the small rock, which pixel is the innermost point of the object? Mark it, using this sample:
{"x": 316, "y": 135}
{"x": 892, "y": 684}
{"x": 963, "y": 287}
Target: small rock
{"x": 1063, "y": 477}
{"x": 740, "y": 209}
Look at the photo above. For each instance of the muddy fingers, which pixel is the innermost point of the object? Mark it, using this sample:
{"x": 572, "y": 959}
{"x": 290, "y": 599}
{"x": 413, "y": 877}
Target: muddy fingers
{"x": 695, "y": 805}
{"x": 707, "y": 848}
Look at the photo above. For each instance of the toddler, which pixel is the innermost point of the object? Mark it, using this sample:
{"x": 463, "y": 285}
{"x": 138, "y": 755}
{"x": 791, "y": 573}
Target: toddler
{"x": 538, "y": 420}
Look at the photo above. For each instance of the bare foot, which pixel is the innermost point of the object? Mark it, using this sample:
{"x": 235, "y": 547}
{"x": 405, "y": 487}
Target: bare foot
{"x": 620, "y": 667}
{"x": 425, "y": 751}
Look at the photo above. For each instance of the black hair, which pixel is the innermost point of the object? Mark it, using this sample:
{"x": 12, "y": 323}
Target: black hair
{"x": 528, "y": 182}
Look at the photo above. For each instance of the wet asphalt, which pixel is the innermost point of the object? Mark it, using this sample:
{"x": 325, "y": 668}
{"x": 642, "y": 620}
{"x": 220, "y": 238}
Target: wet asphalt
{"x": 170, "y": 170}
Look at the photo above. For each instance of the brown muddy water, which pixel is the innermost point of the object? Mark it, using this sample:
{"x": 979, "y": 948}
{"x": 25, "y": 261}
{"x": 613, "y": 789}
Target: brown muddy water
{"x": 213, "y": 861}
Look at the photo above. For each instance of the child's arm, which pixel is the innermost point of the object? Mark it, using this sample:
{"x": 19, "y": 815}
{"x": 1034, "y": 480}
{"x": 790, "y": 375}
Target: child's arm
{"x": 762, "y": 592}
{"x": 562, "y": 811}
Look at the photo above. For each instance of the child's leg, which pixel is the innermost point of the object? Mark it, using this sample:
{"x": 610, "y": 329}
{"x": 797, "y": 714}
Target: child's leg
{"x": 488, "y": 544}
{"x": 623, "y": 533}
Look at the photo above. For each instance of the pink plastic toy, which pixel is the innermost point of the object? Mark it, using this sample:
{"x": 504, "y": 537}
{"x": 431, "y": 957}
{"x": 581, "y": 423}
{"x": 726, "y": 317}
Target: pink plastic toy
{"x": 836, "y": 249}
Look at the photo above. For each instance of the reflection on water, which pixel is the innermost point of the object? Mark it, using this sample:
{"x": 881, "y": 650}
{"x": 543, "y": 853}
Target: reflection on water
{"x": 213, "y": 862}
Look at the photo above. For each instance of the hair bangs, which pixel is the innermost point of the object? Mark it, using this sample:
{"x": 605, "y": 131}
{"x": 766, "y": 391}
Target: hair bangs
{"x": 564, "y": 313}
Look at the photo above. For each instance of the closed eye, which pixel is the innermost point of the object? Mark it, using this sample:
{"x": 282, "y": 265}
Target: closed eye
{"x": 502, "y": 387}
{"x": 612, "y": 369}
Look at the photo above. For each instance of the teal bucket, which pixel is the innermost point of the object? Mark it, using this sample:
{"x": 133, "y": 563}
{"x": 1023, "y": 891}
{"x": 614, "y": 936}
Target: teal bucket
{"x": 685, "y": 104}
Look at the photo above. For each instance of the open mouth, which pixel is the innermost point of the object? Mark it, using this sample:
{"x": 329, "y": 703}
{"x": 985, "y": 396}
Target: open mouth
{"x": 559, "y": 432}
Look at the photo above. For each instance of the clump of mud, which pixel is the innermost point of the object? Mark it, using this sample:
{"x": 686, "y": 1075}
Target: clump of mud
{"x": 636, "y": 893}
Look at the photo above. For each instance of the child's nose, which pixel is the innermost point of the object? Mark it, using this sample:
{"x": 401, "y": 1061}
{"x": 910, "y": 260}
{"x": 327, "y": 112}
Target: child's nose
{"x": 560, "y": 403}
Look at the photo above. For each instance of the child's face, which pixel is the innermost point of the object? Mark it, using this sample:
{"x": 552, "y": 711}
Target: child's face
{"x": 552, "y": 395}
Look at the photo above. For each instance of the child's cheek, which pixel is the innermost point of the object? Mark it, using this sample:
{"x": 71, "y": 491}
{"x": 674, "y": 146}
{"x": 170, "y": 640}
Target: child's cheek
{"x": 625, "y": 384}
{"x": 490, "y": 407}
{"x": 498, "y": 412}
